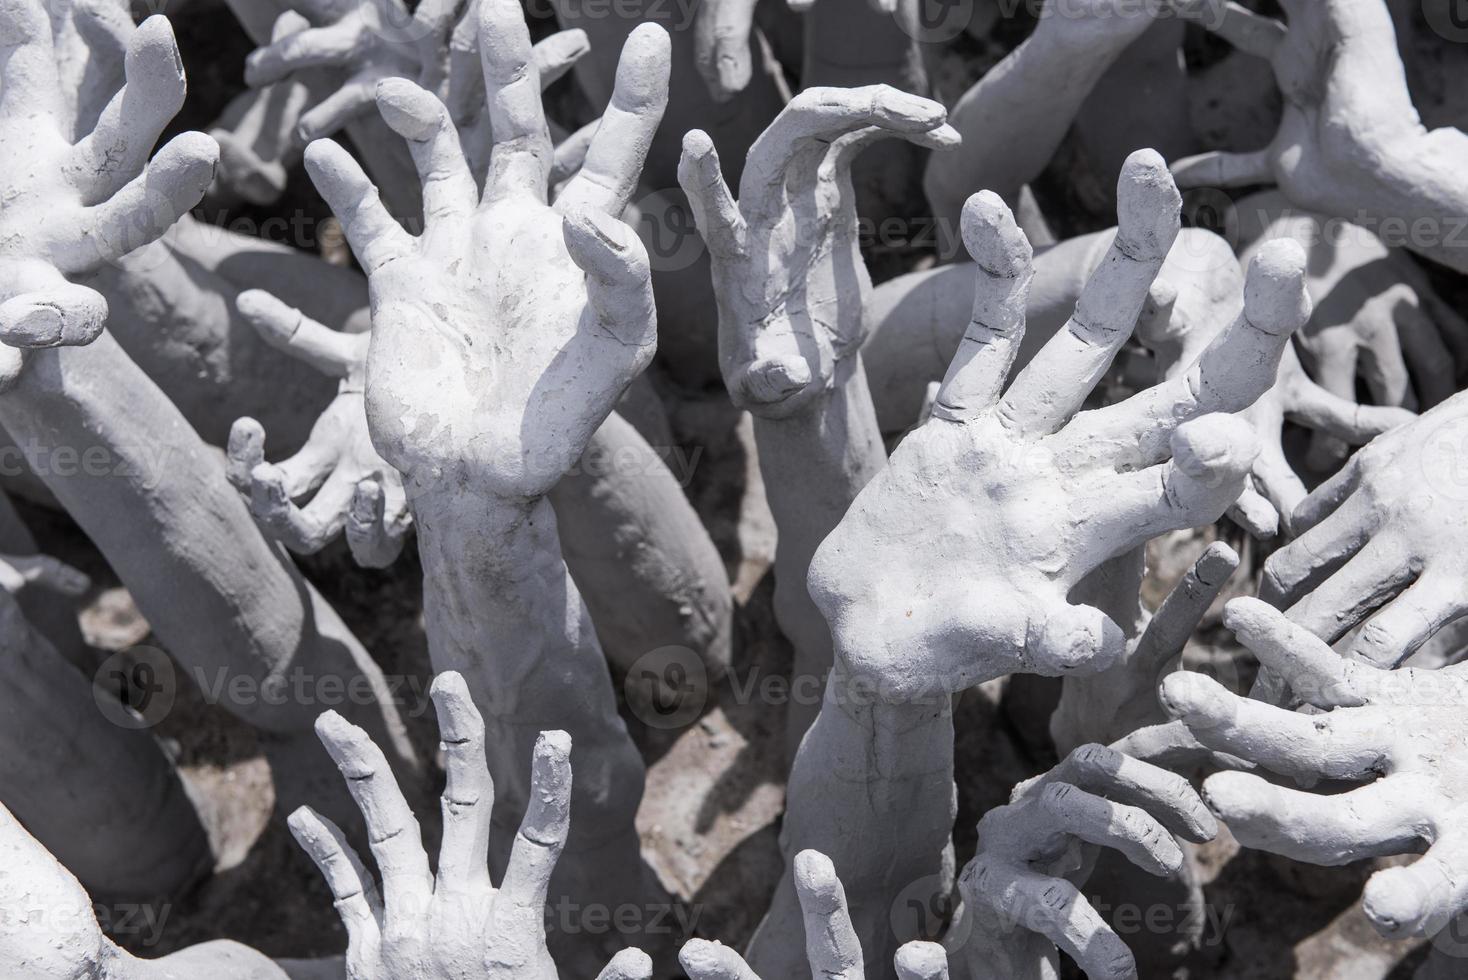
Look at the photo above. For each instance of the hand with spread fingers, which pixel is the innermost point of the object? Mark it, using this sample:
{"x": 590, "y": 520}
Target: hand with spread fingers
{"x": 454, "y": 923}
{"x": 462, "y": 357}
{"x": 436, "y": 47}
{"x": 354, "y": 488}
{"x": 1021, "y": 892}
{"x": 371, "y": 41}
{"x": 1399, "y": 732}
{"x": 1380, "y": 544}
{"x": 76, "y": 206}
{"x": 1350, "y": 142}
{"x": 787, "y": 269}
{"x": 791, "y": 286}
{"x": 1072, "y": 490}
{"x": 1009, "y": 499}
{"x": 502, "y": 339}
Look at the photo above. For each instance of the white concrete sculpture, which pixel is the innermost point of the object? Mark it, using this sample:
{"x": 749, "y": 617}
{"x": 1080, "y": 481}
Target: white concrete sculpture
{"x": 451, "y": 922}
{"x": 501, "y": 340}
{"x": 1377, "y": 544}
{"x": 1076, "y": 492}
{"x": 1400, "y": 733}
{"x": 1350, "y": 143}
{"x": 789, "y": 245}
{"x": 157, "y": 505}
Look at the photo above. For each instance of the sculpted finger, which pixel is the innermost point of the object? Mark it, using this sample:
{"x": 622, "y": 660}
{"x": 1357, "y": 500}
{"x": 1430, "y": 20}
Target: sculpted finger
{"x": 1423, "y": 897}
{"x": 337, "y": 44}
{"x": 1165, "y": 796}
{"x": 1329, "y": 830}
{"x": 1305, "y": 747}
{"x": 374, "y": 235}
{"x": 1317, "y": 552}
{"x": 613, "y": 164}
{"x": 921, "y": 961}
{"x": 1003, "y": 273}
{"x": 714, "y": 209}
{"x": 1211, "y": 459}
{"x": 554, "y": 56}
{"x": 1055, "y": 384}
{"x": 703, "y": 960}
{"x": 1312, "y": 669}
{"x": 1071, "y": 638}
{"x": 468, "y": 796}
{"x": 522, "y": 146}
{"x": 48, "y": 573}
{"x": 814, "y": 119}
{"x": 449, "y": 190}
{"x": 118, "y": 146}
{"x": 63, "y": 314}
{"x": 570, "y": 155}
{"x": 1180, "y": 613}
{"x": 146, "y": 207}
{"x": 28, "y": 80}
{"x": 392, "y": 830}
{"x": 1127, "y": 829}
{"x": 245, "y": 451}
{"x": 1409, "y": 620}
{"x": 1055, "y": 908}
{"x": 831, "y": 944}
{"x": 352, "y": 100}
{"x": 351, "y": 885}
{"x": 1329, "y": 497}
{"x": 375, "y": 532}
{"x": 1373, "y": 576}
{"x": 543, "y": 830}
{"x": 1254, "y": 513}
{"x": 304, "y": 530}
{"x": 1313, "y": 406}
{"x": 721, "y": 30}
{"x": 618, "y": 278}
{"x": 1234, "y": 370}
{"x": 629, "y": 964}
{"x": 1278, "y": 482}
{"x": 1427, "y": 356}
{"x": 287, "y": 329}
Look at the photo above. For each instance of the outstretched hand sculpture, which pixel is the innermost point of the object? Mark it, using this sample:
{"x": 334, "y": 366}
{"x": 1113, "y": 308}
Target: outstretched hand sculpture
{"x": 354, "y": 488}
{"x": 1380, "y": 542}
{"x": 1003, "y": 493}
{"x": 1350, "y": 143}
{"x": 453, "y": 922}
{"x": 791, "y": 286}
{"x": 73, "y": 207}
{"x": 1400, "y": 732}
{"x": 501, "y": 340}
{"x": 1021, "y": 892}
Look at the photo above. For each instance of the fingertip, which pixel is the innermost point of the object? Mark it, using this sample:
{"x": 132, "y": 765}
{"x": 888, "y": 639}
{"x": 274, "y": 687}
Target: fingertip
{"x": 992, "y": 237}
{"x": 1215, "y": 446}
{"x": 409, "y": 110}
{"x": 1079, "y": 639}
{"x": 921, "y": 961}
{"x": 1275, "y": 296}
{"x": 1217, "y": 563}
{"x": 816, "y": 883}
{"x": 1248, "y": 618}
{"x": 1148, "y": 205}
{"x": 458, "y": 718}
{"x": 630, "y": 964}
{"x": 772, "y": 380}
{"x": 1190, "y": 696}
{"x": 698, "y": 145}
{"x": 1396, "y": 902}
{"x": 154, "y": 43}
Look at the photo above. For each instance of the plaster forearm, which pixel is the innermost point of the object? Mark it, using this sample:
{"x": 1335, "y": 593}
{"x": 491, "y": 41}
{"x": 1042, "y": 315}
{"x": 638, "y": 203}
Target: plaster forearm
{"x": 500, "y": 607}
